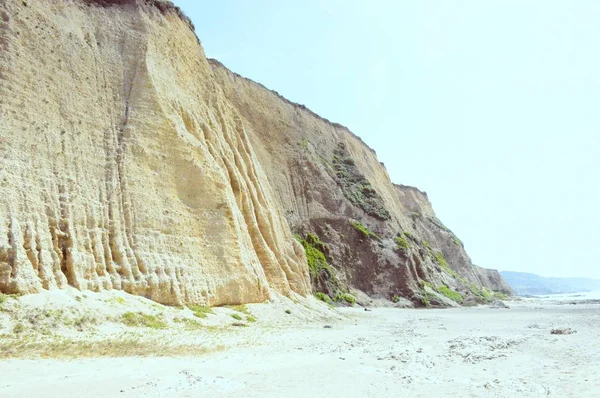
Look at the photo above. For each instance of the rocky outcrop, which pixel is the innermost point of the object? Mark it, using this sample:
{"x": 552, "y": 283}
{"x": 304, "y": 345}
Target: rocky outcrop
{"x": 130, "y": 161}
{"x": 494, "y": 280}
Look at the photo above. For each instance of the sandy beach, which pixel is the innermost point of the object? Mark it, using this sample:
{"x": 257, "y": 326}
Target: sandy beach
{"x": 386, "y": 352}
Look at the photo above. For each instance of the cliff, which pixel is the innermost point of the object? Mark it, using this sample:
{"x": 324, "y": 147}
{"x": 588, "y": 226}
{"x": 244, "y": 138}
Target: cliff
{"x": 381, "y": 238}
{"x": 123, "y": 165}
{"x": 130, "y": 161}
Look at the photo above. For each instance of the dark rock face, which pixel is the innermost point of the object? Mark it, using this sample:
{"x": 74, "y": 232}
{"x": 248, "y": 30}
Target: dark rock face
{"x": 493, "y": 279}
{"x": 356, "y": 188}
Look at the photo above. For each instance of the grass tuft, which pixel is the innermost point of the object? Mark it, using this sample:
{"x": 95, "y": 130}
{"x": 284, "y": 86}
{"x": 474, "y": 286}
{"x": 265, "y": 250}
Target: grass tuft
{"x": 239, "y": 308}
{"x": 4, "y": 297}
{"x": 189, "y": 324}
{"x": 439, "y": 257}
{"x": 345, "y": 297}
{"x": 304, "y": 143}
{"x": 138, "y": 319}
{"x": 364, "y": 230}
{"x": 122, "y": 346}
{"x": 18, "y": 328}
{"x": 323, "y": 297}
{"x": 402, "y": 243}
{"x": 237, "y": 317}
{"x": 451, "y": 294}
{"x": 425, "y": 300}
{"x": 201, "y": 311}
{"x": 317, "y": 262}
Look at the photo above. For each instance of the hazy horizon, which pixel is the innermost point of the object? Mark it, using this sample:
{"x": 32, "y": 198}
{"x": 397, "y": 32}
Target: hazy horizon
{"x": 544, "y": 276}
{"x": 489, "y": 107}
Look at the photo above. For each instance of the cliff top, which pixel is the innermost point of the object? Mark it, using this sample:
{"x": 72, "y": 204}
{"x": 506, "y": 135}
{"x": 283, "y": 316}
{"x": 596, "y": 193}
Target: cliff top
{"x": 164, "y": 6}
{"x": 217, "y": 63}
{"x": 411, "y": 188}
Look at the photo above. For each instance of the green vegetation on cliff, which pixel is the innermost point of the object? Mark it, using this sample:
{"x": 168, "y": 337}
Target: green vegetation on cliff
{"x": 442, "y": 289}
{"x": 322, "y": 275}
{"x": 402, "y": 243}
{"x": 345, "y": 297}
{"x": 440, "y": 259}
{"x": 355, "y": 186}
{"x": 450, "y": 293}
{"x": 323, "y": 297}
{"x": 364, "y": 230}
{"x": 318, "y": 266}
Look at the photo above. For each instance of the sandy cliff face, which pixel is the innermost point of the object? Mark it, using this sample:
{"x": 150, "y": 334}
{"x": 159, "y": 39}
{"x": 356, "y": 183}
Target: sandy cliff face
{"x": 124, "y": 167}
{"x": 128, "y": 161}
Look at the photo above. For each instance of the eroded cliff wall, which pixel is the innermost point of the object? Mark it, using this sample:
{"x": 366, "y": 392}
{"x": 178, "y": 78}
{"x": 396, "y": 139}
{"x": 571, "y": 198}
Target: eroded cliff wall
{"x": 130, "y": 161}
{"x": 381, "y": 238}
{"x": 124, "y": 167}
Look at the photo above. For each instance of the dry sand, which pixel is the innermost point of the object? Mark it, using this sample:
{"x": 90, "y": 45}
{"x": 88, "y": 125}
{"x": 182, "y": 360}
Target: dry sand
{"x": 387, "y": 352}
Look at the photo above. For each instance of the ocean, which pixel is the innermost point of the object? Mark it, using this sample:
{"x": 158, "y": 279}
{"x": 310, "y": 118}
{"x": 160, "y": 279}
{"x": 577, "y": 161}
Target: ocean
{"x": 571, "y": 296}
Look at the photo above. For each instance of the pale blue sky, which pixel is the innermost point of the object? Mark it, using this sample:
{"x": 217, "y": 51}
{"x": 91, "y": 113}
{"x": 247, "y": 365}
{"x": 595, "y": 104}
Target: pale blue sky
{"x": 492, "y": 107}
